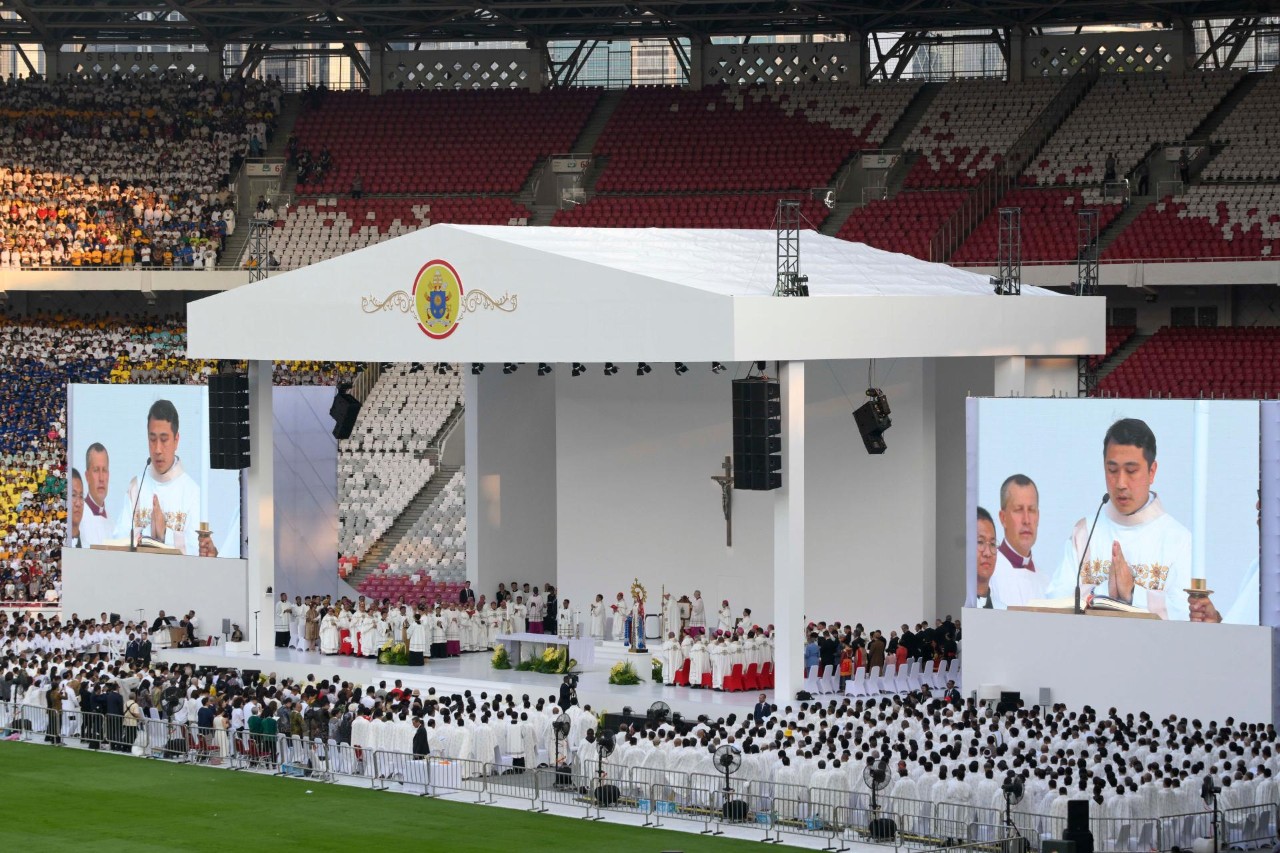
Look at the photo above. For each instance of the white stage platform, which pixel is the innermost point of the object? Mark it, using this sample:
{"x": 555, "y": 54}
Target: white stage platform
{"x": 1207, "y": 671}
{"x": 473, "y": 672}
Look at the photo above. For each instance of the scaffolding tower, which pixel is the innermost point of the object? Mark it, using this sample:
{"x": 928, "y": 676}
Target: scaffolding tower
{"x": 1009, "y": 252}
{"x": 1086, "y": 285}
{"x": 787, "y": 221}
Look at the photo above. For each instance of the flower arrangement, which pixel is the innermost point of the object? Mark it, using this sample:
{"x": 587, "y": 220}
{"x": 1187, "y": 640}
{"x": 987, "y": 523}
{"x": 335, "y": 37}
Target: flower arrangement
{"x": 393, "y": 654}
{"x": 500, "y": 659}
{"x": 623, "y": 673}
{"x": 657, "y": 670}
{"x": 553, "y": 661}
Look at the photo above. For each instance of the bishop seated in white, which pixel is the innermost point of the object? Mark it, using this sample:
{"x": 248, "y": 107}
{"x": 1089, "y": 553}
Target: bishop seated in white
{"x": 1139, "y": 554}
{"x": 167, "y": 497}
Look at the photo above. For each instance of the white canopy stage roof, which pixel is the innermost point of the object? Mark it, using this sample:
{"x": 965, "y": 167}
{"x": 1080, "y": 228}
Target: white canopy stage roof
{"x": 457, "y": 293}
{"x": 660, "y": 295}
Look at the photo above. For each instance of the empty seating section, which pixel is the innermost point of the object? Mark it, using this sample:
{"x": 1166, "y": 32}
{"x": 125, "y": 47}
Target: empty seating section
{"x": 969, "y": 126}
{"x": 1116, "y": 337}
{"x": 436, "y": 543}
{"x": 1127, "y": 115}
{"x": 684, "y": 211}
{"x": 1049, "y": 228}
{"x": 1189, "y": 362}
{"x": 742, "y": 139}
{"x": 905, "y": 223}
{"x": 323, "y": 228}
{"x": 1251, "y": 134}
{"x": 1209, "y": 221}
{"x": 384, "y": 463}
{"x": 425, "y": 142}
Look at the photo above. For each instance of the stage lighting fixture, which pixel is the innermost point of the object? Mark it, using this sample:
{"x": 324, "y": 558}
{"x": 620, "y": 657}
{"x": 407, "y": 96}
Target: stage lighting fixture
{"x": 543, "y": 368}
{"x": 872, "y": 418}
{"x": 477, "y": 368}
{"x": 509, "y": 368}
{"x": 610, "y": 368}
{"x": 642, "y": 369}
{"x": 717, "y": 367}
{"x": 442, "y": 368}
{"x": 579, "y": 368}
{"x": 681, "y": 369}
{"x": 760, "y": 366}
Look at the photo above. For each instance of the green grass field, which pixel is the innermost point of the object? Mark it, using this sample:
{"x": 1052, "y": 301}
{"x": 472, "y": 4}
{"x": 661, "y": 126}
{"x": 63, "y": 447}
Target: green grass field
{"x": 70, "y": 799}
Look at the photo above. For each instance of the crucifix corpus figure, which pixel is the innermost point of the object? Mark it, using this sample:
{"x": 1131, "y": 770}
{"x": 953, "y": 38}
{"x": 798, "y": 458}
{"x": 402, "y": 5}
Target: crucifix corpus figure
{"x": 726, "y": 498}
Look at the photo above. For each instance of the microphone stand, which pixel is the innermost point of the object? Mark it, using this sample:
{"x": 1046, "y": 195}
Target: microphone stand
{"x": 257, "y": 633}
{"x": 1084, "y": 556}
{"x": 134, "y": 535}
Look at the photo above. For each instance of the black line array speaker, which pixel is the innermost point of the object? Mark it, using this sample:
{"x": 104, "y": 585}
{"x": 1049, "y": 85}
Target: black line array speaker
{"x": 228, "y": 421}
{"x": 757, "y": 435}
{"x": 344, "y": 411}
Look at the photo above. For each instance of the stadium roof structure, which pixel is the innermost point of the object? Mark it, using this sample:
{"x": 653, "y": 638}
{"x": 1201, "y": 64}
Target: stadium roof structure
{"x": 528, "y": 294}
{"x": 383, "y": 22}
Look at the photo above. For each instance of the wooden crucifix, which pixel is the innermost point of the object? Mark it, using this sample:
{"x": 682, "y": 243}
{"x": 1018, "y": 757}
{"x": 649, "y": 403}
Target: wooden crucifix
{"x": 725, "y": 481}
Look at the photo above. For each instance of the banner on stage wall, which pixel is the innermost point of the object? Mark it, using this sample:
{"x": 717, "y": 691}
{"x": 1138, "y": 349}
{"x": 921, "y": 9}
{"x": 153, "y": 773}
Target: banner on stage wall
{"x": 1177, "y": 536}
{"x": 138, "y": 470}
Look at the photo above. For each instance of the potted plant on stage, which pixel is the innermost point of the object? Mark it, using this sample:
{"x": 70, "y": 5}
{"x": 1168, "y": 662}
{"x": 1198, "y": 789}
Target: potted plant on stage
{"x": 394, "y": 654}
{"x": 623, "y": 673}
{"x": 500, "y": 659}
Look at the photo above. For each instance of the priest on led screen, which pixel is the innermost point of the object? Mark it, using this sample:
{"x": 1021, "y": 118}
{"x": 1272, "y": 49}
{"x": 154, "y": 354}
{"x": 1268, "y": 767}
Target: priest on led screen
{"x": 1139, "y": 555}
{"x": 1016, "y": 580}
{"x": 167, "y": 499}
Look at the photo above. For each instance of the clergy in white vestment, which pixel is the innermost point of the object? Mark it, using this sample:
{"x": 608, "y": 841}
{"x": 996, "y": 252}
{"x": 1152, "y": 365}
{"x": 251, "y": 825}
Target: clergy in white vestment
{"x": 725, "y": 617}
{"x": 618, "y": 613}
{"x": 698, "y": 611}
{"x": 597, "y": 618}
{"x": 672, "y": 658}
{"x": 328, "y": 634}
{"x": 699, "y": 661}
{"x": 671, "y": 615}
{"x": 564, "y": 620}
{"x": 167, "y": 498}
{"x": 1015, "y": 580}
{"x": 1139, "y": 553}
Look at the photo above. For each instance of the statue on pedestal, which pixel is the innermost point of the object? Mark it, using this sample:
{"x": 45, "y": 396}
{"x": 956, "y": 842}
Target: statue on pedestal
{"x": 635, "y": 618}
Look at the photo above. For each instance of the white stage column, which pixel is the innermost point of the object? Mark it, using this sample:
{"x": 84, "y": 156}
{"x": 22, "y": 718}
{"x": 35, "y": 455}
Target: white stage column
{"x": 788, "y": 541}
{"x": 259, "y": 506}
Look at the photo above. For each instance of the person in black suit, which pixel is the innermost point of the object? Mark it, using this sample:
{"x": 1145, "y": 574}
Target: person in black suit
{"x": 144, "y": 650}
{"x": 952, "y": 694}
{"x": 762, "y": 710}
{"x": 828, "y": 648}
{"x": 113, "y": 707}
{"x": 568, "y": 694}
{"x": 467, "y": 597}
{"x": 908, "y": 641}
{"x": 421, "y": 748}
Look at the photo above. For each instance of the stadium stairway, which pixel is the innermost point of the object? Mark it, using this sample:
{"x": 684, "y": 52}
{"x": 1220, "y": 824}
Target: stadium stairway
{"x": 1137, "y": 204}
{"x": 839, "y": 214}
{"x": 420, "y": 503}
{"x": 1224, "y": 108}
{"x": 290, "y": 107}
{"x": 1125, "y": 350}
{"x": 911, "y": 116}
{"x": 605, "y": 106}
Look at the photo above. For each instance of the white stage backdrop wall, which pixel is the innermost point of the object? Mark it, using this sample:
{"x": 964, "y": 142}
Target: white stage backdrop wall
{"x": 511, "y": 477}
{"x": 634, "y": 460}
{"x": 306, "y": 492}
{"x": 121, "y": 582}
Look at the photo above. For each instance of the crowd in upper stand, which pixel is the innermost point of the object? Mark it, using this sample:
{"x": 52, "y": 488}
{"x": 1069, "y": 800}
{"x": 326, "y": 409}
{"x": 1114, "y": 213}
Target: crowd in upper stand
{"x": 124, "y": 171}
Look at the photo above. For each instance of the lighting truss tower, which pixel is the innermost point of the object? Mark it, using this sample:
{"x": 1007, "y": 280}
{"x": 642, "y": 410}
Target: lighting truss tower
{"x": 259, "y": 250}
{"x": 790, "y": 281}
{"x": 1009, "y": 277}
{"x": 1086, "y": 285}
